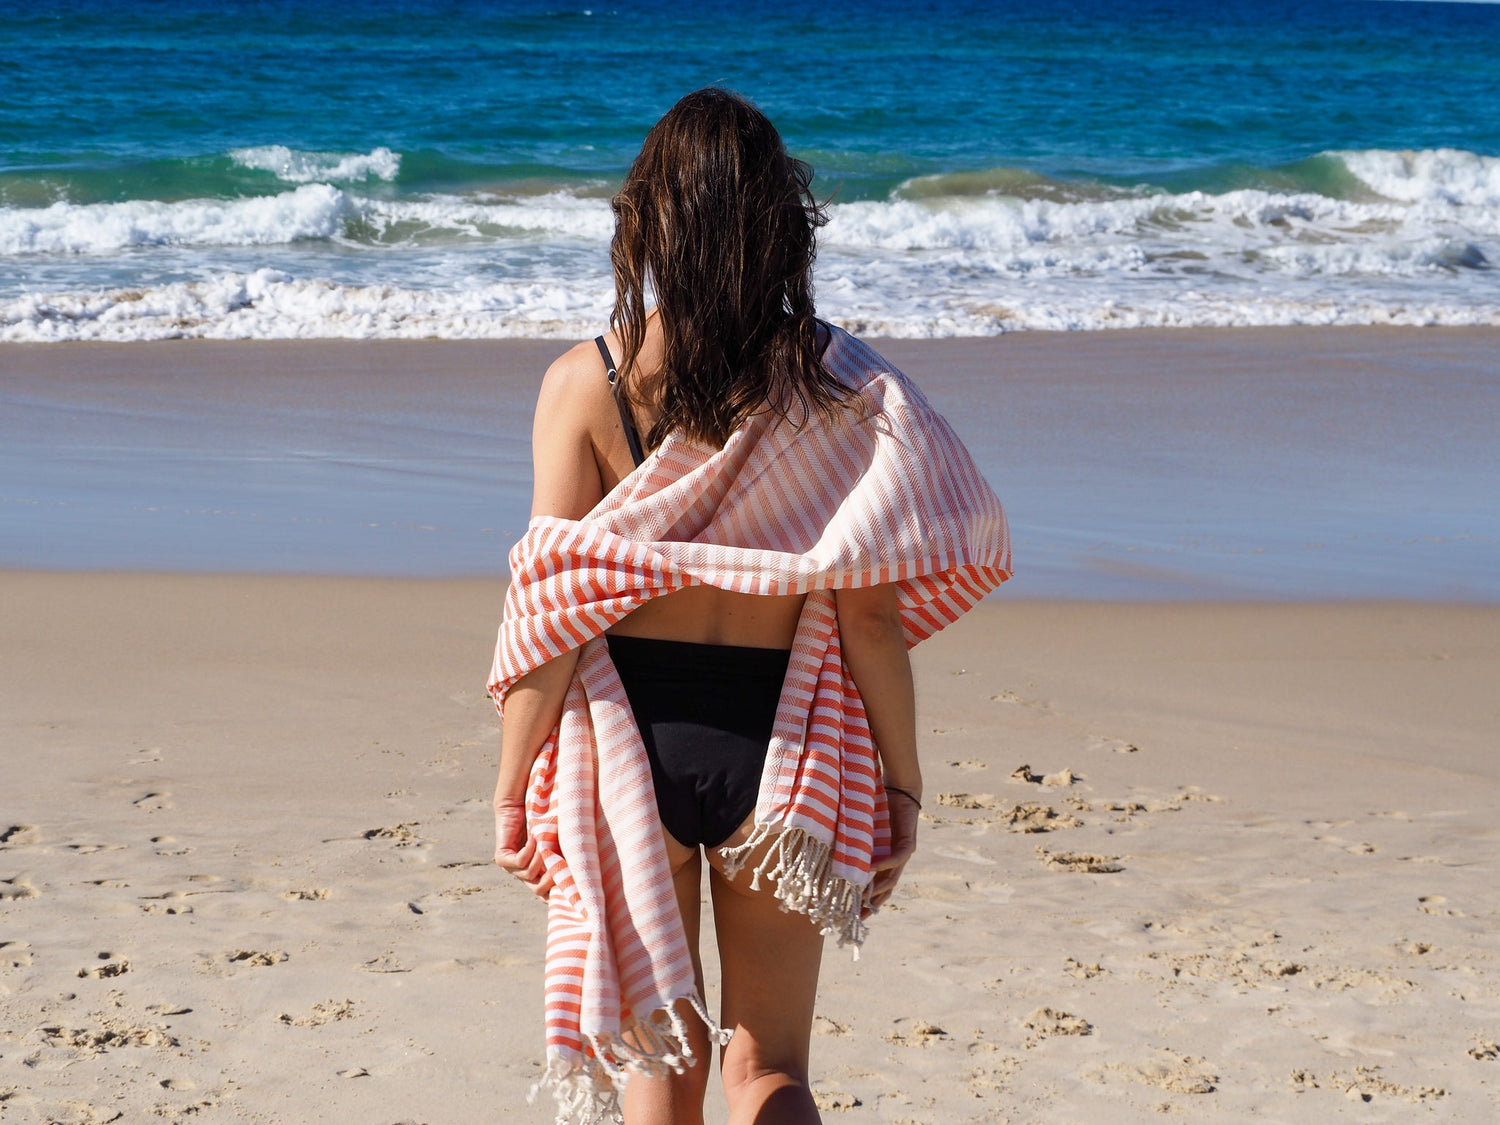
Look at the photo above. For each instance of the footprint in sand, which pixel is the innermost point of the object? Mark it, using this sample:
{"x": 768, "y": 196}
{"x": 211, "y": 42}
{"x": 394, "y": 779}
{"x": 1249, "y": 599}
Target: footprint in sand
{"x": 153, "y": 802}
{"x": 822, "y": 1025}
{"x": 17, "y": 889}
{"x": 1438, "y": 905}
{"x": 164, "y": 846}
{"x": 1049, "y": 1023}
{"x": 148, "y": 757}
{"x": 1082, "y": 862}
{"x": 1485, "y": 1051}
{"x": 321, "y": 1014}
{"x": 385, "y": 963}
{"x": 313, "y": 894}
{"x": 1177, "y": 1074}
{"x": 969, "y": 764}
{"x": 15, "y": 954}
{"x": 1193, "y": 793}
{"x": 110, "y": 1034}
{"x": 256, "y": 958}
{"x": 1104, "y": 743}
{"x": 1082, "y": 971}
{"x": 829, "y": 1101}
{"x": 90, "y": 849}
{"x": 919, "y": 1034}
{"x": 1025, "y": 775}
{"x": 1011, "y": 699}
{"x": 456, "y": 893}
{"x": 111, "y": 968}
{"x": 399, "y": 834}
{"x": 1366, "y": 1083}
{"x": 1029, "y": 816}
{"x": 995, "y": 1077}
{"x": 967, "y": 801}
{"x": 18, "y": 835}
{"x": 168, "y": 902}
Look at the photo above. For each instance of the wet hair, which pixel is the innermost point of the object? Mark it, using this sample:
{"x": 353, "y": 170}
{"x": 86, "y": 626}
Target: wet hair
{"x": 721, "y": 221}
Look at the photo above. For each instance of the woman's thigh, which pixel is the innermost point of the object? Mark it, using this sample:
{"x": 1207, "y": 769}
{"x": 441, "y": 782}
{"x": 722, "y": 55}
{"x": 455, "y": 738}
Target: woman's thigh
{"x": 769, "y": 962}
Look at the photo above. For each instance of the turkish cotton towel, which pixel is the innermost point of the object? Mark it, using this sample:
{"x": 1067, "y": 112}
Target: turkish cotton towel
{"x": 882, "y": 492}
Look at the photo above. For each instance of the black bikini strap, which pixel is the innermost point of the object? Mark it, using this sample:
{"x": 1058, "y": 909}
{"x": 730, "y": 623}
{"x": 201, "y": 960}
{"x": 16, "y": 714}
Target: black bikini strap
{"x": 632, "y": 436}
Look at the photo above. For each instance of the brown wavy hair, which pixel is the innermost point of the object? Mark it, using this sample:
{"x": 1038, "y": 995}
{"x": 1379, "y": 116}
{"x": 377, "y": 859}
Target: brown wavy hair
{"x": 722, "y": 222}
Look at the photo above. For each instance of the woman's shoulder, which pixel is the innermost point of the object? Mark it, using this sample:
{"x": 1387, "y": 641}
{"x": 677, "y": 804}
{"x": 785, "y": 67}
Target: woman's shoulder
{"x": 576, "y": 384}
{"x": 578, "y": 368}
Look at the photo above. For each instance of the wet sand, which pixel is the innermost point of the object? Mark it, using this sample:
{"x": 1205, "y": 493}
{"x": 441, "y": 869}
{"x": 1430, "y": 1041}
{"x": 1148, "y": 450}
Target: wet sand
{"x": 244, "y": 842}
{"x": 1259, "y": 463}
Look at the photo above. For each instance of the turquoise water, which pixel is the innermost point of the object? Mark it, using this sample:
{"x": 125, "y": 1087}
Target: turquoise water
{"x": 426, "y": 168}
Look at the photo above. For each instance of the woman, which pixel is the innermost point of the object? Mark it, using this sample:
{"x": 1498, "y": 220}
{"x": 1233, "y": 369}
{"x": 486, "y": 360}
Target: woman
{"x": 702, "y": 653}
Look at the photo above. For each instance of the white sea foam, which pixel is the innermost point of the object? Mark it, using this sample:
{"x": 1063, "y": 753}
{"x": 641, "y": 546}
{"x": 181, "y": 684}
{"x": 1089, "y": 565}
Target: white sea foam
{"x": 268, "y": 304}
{"x": 296, "y": 167}
{"x": 311, "y": 211}
{"x": 349, "y": 264}
{"x": 1443, "y": 175}
{"x": 556, "y": 214}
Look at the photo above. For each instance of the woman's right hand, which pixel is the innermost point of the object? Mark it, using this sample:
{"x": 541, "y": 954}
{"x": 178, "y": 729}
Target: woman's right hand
{"x": 515, "y": 851}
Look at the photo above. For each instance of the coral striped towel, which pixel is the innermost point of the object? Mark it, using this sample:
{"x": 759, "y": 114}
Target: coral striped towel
{"x": 886, "y": 495}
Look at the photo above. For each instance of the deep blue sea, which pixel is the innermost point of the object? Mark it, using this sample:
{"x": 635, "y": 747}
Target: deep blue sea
{"x": 442, "y": 167}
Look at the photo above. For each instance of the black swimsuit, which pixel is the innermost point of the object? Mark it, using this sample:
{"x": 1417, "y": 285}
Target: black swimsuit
{"x": 705, "y": 712}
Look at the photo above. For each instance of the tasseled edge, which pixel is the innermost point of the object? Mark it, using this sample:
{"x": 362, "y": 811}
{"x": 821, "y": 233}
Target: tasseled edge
{"x": 587, "y": 1088}
{"x": 801, "y": 866}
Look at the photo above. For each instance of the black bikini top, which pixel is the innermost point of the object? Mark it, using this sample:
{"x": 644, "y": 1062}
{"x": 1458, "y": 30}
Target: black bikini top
{"x": 632, "y": 436}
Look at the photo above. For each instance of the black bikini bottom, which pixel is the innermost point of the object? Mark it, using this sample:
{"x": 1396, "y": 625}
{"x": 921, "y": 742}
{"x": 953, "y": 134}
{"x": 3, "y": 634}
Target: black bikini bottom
{"x": 705, "y": 713}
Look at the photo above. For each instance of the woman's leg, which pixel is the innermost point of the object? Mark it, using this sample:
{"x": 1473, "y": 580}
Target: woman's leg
{"x": 769, "y": 964}
{"x": 678, "y": 1099}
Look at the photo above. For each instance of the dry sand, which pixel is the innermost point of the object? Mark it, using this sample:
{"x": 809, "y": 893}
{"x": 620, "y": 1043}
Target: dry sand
{"x": 1248, "y": 872}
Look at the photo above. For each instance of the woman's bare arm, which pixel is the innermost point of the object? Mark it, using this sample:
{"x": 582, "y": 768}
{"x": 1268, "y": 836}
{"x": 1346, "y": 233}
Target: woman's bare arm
{"x": 567, "y": 484}
{"x": 876, "y": 656}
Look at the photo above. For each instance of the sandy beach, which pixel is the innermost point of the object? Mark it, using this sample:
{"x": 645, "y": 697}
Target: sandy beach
{"x": 245, "y": 836}
{"x": 1217, "y": 842}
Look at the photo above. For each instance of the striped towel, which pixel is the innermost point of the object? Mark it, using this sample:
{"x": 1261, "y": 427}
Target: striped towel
{"x": 883, "y": 494}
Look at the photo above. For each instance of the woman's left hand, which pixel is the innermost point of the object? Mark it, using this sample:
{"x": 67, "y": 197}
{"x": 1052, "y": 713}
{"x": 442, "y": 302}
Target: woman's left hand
{"x": 903, "y": 812}
{"x": 515, "y": 851}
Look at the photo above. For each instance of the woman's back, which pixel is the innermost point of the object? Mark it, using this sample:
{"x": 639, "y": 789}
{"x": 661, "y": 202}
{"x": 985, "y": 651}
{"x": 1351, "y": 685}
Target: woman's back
{"x": 578, "y": 413}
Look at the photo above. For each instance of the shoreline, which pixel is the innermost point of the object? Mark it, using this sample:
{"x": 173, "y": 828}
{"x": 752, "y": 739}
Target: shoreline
{"x": 246, "y": 853}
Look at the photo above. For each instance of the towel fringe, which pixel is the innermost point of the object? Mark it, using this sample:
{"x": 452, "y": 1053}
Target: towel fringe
{"x": 587, "y": 1087}
{"x": 801, "y": 866}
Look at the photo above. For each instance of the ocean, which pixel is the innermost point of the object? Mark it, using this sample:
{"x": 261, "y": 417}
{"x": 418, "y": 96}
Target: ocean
{"x": 418, "y": 168}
